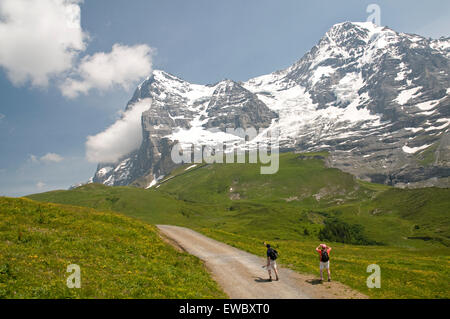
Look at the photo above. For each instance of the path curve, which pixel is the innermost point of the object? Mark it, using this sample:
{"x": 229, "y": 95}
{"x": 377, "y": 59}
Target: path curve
{"x": 241, "y": 276}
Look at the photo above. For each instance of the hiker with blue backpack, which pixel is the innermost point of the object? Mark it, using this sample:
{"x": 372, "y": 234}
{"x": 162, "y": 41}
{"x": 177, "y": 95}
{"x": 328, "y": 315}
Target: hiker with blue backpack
{"x": 324, "y": 257}
{"x": 272, "y": 255}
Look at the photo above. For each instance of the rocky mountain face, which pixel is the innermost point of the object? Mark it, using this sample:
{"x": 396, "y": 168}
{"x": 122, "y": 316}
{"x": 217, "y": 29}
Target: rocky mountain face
{"x": 376, "y": 99}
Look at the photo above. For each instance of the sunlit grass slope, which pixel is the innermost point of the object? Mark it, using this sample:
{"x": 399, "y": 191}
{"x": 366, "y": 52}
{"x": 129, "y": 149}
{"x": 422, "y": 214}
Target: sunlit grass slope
{"x": 119, "y": 257}
{"x": 405, "y": 231}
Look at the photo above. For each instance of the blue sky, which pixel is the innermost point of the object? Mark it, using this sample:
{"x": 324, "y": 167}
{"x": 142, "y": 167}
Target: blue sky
{"x": 43, "y": 132}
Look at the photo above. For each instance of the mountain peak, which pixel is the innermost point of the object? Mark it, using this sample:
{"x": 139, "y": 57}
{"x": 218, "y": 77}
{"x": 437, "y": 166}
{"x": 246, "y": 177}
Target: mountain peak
{"x": 226, "y": 86}
{"x": 375, "y": 98}
{"x": 161, "y": 76}
{"x": 368, "y": 27}
{"x": 350, "y": 33}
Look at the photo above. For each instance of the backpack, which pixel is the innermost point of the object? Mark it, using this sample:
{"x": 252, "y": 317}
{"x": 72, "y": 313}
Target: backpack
{"x": 273, "y": 254}
{"x": 324, "y": 256}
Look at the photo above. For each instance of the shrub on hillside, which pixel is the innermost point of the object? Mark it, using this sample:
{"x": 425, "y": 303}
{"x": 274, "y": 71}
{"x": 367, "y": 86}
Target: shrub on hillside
{"x": 338, "y": 231}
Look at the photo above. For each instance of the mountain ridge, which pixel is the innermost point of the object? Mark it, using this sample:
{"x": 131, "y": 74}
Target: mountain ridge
{"x": 376, "y": 99}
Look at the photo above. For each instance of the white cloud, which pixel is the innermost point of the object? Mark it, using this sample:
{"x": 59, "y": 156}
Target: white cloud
{"x": 34, "y": 159}
{"x": 121, "y": 138}
{"x": 40, "y": 185}
{"x": 2, "y": 116}
{"x": 47, "y": 158}
{"x": 123, "y": 66}
{"x": 39, "y": 38}
{"x": 51, "y": 157}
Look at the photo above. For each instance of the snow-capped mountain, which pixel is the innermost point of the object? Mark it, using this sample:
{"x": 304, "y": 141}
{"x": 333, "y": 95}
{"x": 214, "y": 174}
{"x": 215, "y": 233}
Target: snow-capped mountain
{"x": 378, "y": 100}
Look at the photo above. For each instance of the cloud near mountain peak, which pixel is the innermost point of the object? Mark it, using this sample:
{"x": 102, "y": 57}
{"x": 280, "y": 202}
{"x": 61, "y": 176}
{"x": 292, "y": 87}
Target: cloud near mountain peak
{"x": 123, "y": 66}
{"x": 121, "y": 138}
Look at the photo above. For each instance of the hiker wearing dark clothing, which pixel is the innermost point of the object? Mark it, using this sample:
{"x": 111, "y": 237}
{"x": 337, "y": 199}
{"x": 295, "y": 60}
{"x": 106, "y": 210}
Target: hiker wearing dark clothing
{"x": 272, "y": 255}
{"x": 324, "y": 257}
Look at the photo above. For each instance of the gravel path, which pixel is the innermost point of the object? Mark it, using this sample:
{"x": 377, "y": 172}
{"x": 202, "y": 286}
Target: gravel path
{"x": 241, "y": 276}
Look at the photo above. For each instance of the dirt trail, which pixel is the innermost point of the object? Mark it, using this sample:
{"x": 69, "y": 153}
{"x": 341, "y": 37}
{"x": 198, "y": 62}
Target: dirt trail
{"x": 241, "y": 276}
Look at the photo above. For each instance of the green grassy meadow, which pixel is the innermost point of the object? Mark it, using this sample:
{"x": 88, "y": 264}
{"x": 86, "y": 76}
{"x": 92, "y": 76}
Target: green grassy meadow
{"x": 119, "y": 257}
{"x": 404, "y": 231}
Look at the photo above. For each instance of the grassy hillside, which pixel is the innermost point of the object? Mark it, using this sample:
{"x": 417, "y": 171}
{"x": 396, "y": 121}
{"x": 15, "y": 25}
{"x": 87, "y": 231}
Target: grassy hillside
{"x": 299, "y": 177}
{"x": 119, "y": 257}
{"x": 155, "y": 207}
{"x": 303, "y": 203}
{"x": 302, "y": 197}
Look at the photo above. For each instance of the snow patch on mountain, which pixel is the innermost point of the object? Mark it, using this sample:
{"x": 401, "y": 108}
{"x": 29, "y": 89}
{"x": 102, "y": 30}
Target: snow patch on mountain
{"x": 348, "y": 87}
{"x": 412, "y": 150}
{"x": 406, "y": 95}
{"x": 103, "y": 171}
{"x": 321, "y": 71}
{"x": 428, "y": 105}
{"x": 155, "y": 181}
